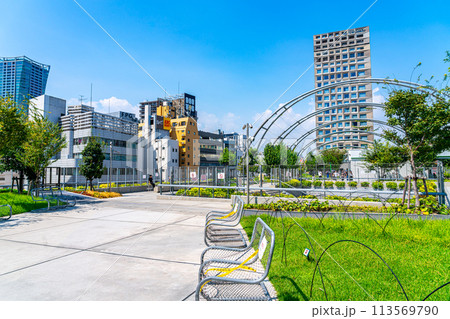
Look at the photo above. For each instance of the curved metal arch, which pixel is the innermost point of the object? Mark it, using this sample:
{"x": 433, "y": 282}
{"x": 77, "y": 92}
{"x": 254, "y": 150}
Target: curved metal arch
{"x": 323, "y": 126}
{"x": 293, "y": 126}
{"x": 358, "y": 140}
{"x": 281, "y": 110}
{"x": 337, "y": 141}
{"x": 365, "y": 246}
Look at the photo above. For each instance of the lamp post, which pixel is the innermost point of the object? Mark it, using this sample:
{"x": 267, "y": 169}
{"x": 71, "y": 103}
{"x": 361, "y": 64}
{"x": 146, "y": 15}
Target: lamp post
{"x": 247, "y": 126}
{"x": 110, "y": 164}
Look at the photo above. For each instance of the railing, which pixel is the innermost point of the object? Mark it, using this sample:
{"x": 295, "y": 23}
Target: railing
{"x": 324, "y": 191}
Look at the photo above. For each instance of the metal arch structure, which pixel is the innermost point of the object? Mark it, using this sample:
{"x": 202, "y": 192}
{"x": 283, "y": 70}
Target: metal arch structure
{"x": 331, "y": 142}
{"x": 293, "y": 126}
{"x": 336, "y": 133}
{"x": 322, "y": 126}
{"x": 265, "y": 126}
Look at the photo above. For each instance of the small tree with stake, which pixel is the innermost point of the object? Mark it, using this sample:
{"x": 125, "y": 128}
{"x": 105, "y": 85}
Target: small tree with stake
{"x": 425, "y": 121}
{"x": 92, "y": 161}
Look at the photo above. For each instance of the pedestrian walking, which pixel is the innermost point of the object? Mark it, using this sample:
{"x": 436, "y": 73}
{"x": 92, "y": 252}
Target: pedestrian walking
{"x": 150, "y": 181}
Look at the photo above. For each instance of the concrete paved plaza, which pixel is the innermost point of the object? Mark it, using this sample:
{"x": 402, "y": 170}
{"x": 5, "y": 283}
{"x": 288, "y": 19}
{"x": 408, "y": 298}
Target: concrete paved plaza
{"x": 130, "y": 248}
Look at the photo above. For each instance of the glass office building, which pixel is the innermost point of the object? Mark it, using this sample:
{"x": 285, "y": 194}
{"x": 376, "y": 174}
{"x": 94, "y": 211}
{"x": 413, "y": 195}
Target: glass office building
{"x": 22, "y": 79}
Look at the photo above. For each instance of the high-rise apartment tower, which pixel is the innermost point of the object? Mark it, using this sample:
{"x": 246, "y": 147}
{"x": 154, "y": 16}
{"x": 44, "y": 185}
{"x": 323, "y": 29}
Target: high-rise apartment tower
{"x": 22, "y": 79}
{"x": 341, "y": 56}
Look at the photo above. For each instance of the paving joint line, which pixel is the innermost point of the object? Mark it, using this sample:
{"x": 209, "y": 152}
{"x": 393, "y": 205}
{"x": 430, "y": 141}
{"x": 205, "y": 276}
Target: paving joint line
{"x": 80, "y": 220}
{"x": 79, "y": 250}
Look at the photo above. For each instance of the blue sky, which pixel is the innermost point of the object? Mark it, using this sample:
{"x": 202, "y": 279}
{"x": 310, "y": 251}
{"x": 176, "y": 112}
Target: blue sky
{"x": 237, "y": 57}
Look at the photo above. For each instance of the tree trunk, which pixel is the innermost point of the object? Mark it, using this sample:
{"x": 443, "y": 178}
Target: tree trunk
{"x": 90, "y": 185}
{"x": 21, "y": 178}
{"x": 414, "y": 176}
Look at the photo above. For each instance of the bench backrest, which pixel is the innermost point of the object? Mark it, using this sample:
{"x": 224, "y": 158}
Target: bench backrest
{"x": 42, "y": 192}
{"x": 263, "y": 243}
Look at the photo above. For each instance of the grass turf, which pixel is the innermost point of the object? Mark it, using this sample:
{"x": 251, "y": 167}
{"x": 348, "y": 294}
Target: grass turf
{"x": 418, "y": 252}
{"x": 20, "y": 203}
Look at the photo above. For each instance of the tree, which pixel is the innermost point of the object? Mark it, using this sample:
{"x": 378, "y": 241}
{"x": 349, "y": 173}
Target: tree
{"x": 43, "y": 142}
{"x": 272, "y": 156}
{"x": 92, "y": 160}
{"x": 380, "y": 157}
{"x": 12, "y": 125}
{"x": 333, "y": 156}
{"x": 225, "y": 157}
{"x": 292, "y": 157}
{"x": 13, "y": 133}
{"x": 425, "y": 119}
{"x": 310, "y": 162}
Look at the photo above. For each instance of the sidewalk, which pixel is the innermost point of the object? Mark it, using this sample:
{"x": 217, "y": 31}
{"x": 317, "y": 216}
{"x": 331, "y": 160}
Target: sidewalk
{"x": 129, "y": 248}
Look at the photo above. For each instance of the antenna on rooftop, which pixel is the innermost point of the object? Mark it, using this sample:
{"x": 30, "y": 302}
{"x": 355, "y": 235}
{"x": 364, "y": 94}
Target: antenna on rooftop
{"x": 81, "y": 99}
{"x": 91, "y": 94}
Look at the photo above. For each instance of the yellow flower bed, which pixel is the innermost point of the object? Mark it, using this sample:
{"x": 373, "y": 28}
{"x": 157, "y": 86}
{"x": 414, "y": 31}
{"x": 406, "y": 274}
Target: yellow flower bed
{"x": 99, "y": 194}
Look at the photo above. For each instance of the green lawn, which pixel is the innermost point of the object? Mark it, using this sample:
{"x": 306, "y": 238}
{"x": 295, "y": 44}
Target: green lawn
{"x": 417, "y": 251}
{"x": 19, "y": 203}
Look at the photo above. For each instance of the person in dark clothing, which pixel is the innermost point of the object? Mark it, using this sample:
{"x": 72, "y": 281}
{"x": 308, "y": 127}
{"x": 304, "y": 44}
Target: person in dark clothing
{"x": 150, "y": 181}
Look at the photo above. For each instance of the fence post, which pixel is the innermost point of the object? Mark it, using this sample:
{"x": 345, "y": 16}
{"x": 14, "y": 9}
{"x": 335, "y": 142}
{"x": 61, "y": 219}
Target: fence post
{"x": 260, "y": 179}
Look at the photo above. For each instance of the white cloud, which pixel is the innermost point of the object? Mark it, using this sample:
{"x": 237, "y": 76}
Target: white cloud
{"x": 377, "y": 97}
{"x": 112, "y": 104}
{"x": 228, "y": 123}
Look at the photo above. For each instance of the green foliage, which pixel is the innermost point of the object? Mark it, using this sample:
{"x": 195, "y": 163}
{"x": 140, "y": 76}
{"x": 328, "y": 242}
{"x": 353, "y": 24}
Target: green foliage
{"x": 333, "y": 156}
{"x": 310, "y": 162}
{"x": 340, "y": 184}
{"x": 420, "y": 241}
{"x": 352, "y": 184}
{"x": 365, "y": 184}
{"x": 43, "y": 142}
{"x": 392, "y": 186}
{"x": 294, "y": 183}
{"x": 91, "y": 165}
{"x": 279, "y": 154}
{"x": 335, "y": 197}
{"x": 306, "y": 183}
{"x": 317, "y": 183}
{"x": 286, "y": 205}
{"x": 20, "y": 203}
{"x": 225, "y": 157}
{"x": 424, "y": 120}
{"x": 272, "y": 155}
{"x": 329, "y": 184}
{"x": 381, "y": 157}
{"x": 377, "y": 185}
{"x": 13, "y": 126}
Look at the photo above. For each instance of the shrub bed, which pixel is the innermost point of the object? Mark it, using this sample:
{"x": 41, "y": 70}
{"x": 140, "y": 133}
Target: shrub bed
{"x": 352, "y": 184}
{"x": 377, "y": 185}
{"x": 340, "y": 184}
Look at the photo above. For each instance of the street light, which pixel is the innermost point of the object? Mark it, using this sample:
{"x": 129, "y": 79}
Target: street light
{"x": 247, "y": 126}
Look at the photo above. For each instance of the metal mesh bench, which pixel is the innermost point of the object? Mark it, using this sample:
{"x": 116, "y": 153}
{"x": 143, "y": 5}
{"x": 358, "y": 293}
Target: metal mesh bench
{"x": 60, "y": 196}
{"x": 214, "y": 214}
{"x": 10, "y": 212}
{"x": 220, "y": 228}
{"x": 232, "y": 274}
{"x": 49, "y": 194}
{"x": 42, "y": 195}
